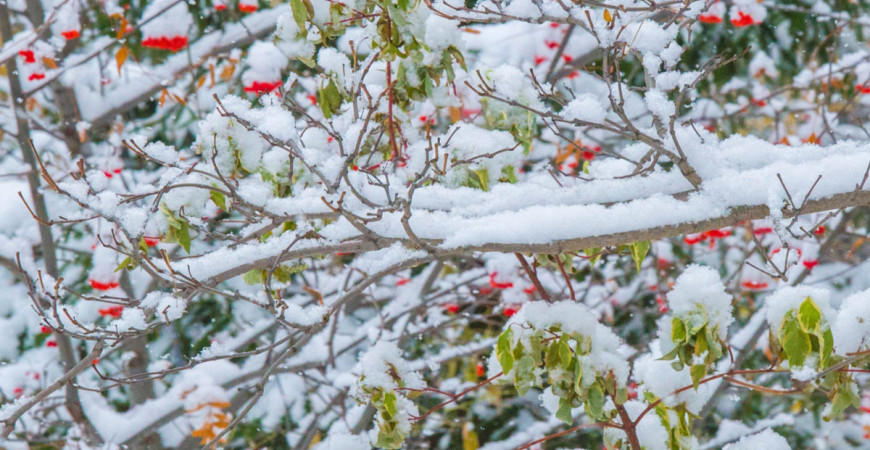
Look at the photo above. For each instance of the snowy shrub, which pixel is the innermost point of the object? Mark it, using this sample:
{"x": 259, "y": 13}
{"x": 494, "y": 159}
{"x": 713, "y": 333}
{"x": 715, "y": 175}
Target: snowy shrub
{"x": 434, "y": 224}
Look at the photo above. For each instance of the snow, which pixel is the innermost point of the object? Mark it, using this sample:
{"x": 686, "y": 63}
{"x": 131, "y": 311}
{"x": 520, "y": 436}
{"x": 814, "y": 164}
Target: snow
{"x": 790, "y": 297}
{"x": 851, "y": 328}
{"x": 658, "y": 377}
{"x": 650, "y": 431}
{"x": 699, "y": 296}
{"x": 766, "y": 439}
{"x": 659, "y": 104}
{"x": 343, "y": 442}
{"x": 380, "y": 361}
{"x": 586, "y": 108}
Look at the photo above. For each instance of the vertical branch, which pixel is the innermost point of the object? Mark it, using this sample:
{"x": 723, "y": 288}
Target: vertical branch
{"x": 629, "y": 427}
{"x": 390, "y": 121}
{"x": 534, "y": 277}
{"x": 49, "y": 257}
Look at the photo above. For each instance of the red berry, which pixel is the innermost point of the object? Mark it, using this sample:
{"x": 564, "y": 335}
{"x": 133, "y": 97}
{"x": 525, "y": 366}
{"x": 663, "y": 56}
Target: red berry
{"x": 754, "y": 285}
{"x": 114, "y": 311}
{"x": 496, "y": 285}
{"x": 100, "y": 286}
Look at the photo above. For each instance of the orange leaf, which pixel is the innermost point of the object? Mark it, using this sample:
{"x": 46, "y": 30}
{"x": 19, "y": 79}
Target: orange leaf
{"x": 163, "y": 94}
{"x": 200, "y": 82}
{"x": 220, "y": 405}
{"x": 122, "y": 27}
{"x": 48, "y": 62}
{"x": 121, "y": 56}
{"x": 855, "y": 246}
{"x": 178, "y": 98}
{"x": 455, "y": 114}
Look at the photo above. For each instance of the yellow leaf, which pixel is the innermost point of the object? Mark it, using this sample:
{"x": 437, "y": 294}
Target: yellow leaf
{"x": 469, "y": 438}
{"x": 227, "y": 72}
{"x": 121, "y": 56}
{"x": 607, "y": 17}
{"x": 316, "y": 440}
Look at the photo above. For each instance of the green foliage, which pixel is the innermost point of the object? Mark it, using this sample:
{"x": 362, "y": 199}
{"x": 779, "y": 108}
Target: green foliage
{"x": 638, "y": 252}
{"x": 804, "y": 333}
{"x": 557, "y": 359}
{"x": 693, "y": 338}
{"x": 179, "y": 229}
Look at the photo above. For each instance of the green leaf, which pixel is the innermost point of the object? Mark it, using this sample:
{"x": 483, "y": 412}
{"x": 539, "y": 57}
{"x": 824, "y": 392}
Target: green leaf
{"x": 795, "y": 343}
{"x": 638, "y": 252}
{"x": 536, "y": 348}
{"x": 595, "y": 401}
{"x": 678, "y": 330}
{"x": 300, "y": 13}
{"x": 809, "y": 315}
{"x": 252, "y": 277}
{"x": 578, "y": 377}
{"x": 594, "y": 255}
{"x": 564, "y": 352}
{"x": 390, "y": 403}
{"x": 503, "y": 351}
{"x": 218, "y": 200}
{"x": 671, "y": 354}
{"x": 143, "y": 246}
{"x": 552, "y": 355}
{"x": 329, "y": 98}
{"x": 479, "y": 179}
{"x": 827, "y": 349}
{"x": 564, "y": 411}
{"x": 698, "y": 371}
{"x": 843, "y": 399}
{"x": 183, "y": 236}
{"x": 458, "y": 56}
{"x": 126, "y": 264}
{"x": 524, "y": 375}
{"x": 621, "y": 396}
